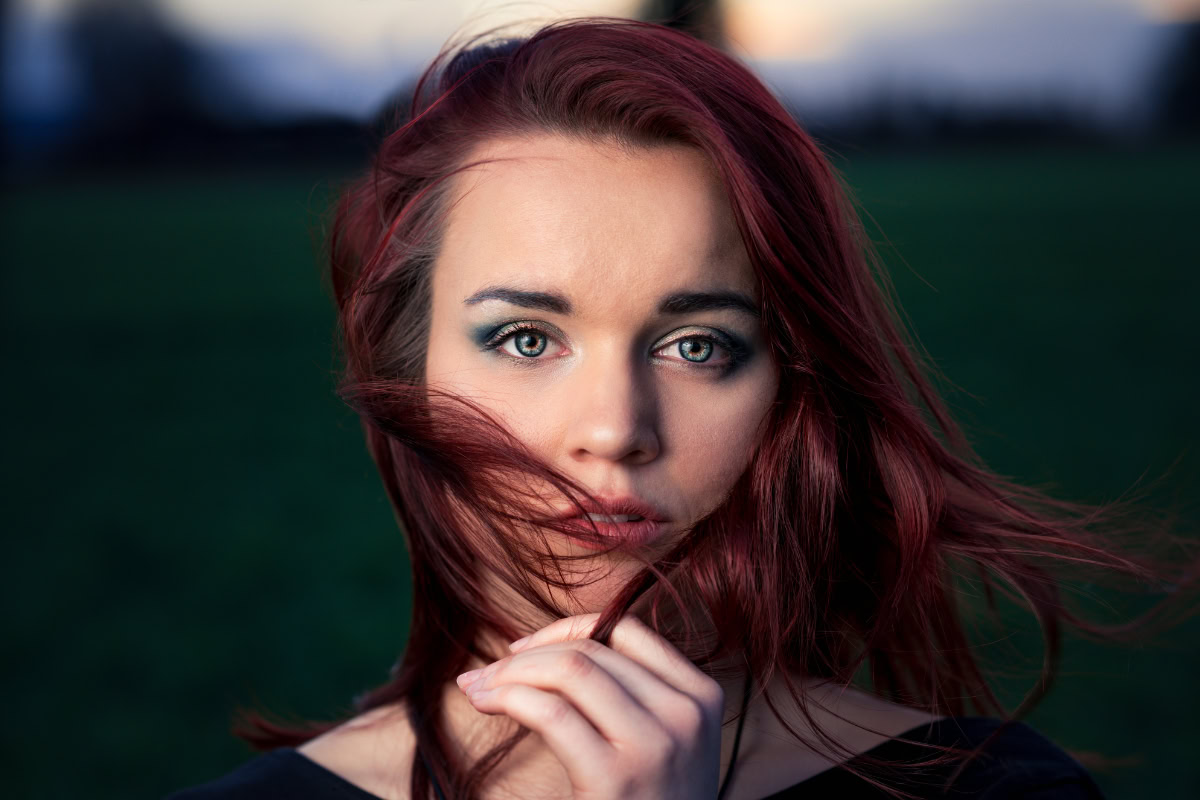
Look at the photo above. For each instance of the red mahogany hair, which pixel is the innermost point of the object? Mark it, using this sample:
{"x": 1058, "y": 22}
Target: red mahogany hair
{"x": 837, "y": 553}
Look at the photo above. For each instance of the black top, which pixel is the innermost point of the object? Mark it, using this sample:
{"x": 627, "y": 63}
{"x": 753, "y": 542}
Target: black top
{"x": 1018, "y": 763}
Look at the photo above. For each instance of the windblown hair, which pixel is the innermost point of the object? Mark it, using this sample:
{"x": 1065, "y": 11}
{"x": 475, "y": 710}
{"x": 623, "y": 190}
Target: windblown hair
{"x": 841, "y": 553}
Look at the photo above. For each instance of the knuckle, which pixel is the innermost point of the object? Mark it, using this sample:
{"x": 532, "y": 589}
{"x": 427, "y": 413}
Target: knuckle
{"x": 589, "y": 647}
{"x": 575, "y": 665}
{"x": 711, "y": 694}
{"x": 660, "y": 746}
{"x": 690, "y": 714}
{"x": 553, "y": 710}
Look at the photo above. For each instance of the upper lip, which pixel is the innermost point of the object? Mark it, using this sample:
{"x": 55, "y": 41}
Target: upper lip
{"x": 612, "y": 505}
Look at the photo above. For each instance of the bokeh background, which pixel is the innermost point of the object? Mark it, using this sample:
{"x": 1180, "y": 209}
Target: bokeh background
{"x": 193, "y": 521}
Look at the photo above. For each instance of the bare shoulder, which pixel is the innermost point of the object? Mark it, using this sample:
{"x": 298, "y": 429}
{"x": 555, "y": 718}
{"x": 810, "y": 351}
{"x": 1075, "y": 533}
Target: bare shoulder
{"x": 859, "y": 719}
{"x": 771, "y": 759}
{"x": 885, "y": 716}
{"x": 373, "y": 751}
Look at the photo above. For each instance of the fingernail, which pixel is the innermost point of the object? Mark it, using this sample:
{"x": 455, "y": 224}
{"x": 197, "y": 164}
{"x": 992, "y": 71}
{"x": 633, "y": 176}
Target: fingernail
{"x": 466, "y": 677}
{"x": 480, "y": 694}
{"x": 517, "y": 644}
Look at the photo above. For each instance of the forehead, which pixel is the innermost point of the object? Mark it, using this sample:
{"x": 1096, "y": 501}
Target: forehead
{"x": 601, "y": 223}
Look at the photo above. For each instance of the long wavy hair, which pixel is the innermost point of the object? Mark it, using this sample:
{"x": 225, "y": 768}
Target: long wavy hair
{"x": 845, "y": 549}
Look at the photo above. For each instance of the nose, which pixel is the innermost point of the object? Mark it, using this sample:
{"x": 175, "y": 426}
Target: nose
{"x": 614, "y": 412}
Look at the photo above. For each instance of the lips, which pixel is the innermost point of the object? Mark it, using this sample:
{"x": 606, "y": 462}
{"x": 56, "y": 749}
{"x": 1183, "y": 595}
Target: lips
{"x": 625, "y": 518}
{"x": 617, "y": 506}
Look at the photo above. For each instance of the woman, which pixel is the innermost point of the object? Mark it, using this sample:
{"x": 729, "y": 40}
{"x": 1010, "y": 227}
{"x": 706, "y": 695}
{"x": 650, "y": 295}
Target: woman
{"x": 639, "y": 404}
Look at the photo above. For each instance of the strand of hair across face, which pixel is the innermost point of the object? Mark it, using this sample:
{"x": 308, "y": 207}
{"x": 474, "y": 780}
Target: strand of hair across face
{"x": 737, "y": 739}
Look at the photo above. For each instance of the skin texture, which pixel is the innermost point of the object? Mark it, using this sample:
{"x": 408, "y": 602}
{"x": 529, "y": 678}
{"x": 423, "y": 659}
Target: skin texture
{"x": 611, "y": 400}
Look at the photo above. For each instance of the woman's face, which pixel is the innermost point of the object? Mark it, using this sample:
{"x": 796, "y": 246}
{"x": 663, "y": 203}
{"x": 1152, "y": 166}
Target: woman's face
{"x": 602, "y": 305}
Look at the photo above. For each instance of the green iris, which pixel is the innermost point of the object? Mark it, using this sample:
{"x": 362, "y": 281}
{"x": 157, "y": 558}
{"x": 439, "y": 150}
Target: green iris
{"x": 695, "y": 349}
{"x": 530, "y": 343}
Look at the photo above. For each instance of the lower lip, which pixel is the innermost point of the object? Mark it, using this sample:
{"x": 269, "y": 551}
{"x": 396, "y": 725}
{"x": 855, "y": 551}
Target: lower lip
{"x": 640, "y": 532}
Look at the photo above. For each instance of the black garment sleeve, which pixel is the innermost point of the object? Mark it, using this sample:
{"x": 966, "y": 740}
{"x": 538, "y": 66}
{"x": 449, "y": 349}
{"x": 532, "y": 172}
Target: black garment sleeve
{"x": 282, "y": 774}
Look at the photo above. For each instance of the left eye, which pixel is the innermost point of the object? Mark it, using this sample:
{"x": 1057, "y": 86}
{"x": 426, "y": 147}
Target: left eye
{"x": 694, "y": 349}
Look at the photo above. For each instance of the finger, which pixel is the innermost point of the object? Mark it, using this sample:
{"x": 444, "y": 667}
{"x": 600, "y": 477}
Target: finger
{"x": 664, "y": 702}
{"x": 579, "y": 626}
{"x": 605, "y": 701}
{"x": 634, "y": 639}
{"x": 583, "y": 752}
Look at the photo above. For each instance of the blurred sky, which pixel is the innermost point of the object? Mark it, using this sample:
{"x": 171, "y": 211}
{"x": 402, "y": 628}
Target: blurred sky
{"x": 305, "y": 57}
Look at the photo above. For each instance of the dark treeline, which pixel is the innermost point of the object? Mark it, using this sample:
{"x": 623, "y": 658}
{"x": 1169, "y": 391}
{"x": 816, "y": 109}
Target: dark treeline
{"x": 152, "y": 97}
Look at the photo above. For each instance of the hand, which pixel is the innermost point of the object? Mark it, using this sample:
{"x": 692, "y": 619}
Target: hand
{"x": 637, "y": 720}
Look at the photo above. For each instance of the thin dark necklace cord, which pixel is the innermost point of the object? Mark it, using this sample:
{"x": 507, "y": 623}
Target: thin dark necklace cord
{"x": 432, "y": 779}
{"x": 737, "y": 739}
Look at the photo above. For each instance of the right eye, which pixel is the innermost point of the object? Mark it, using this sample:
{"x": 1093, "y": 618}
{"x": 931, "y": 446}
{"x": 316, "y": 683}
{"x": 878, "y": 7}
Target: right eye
{"x": 523, "y": 341}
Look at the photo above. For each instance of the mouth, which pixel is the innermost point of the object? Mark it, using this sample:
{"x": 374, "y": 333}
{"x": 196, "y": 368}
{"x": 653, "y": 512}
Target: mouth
{"x": 614, "y": 517}
{"x": 627, "y": 519}
{"x": 627, "y": 528}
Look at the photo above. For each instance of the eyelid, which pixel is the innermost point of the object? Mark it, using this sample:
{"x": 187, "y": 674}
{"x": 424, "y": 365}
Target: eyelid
{"x": 684, "y": 333}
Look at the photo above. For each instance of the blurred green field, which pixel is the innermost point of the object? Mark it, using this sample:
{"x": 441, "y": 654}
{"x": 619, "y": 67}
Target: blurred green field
{"x": 195, "y": 523}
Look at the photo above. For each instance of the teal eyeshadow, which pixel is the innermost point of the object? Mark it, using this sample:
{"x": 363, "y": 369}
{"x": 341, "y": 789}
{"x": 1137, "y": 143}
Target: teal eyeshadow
{"x": 481, "y": 334}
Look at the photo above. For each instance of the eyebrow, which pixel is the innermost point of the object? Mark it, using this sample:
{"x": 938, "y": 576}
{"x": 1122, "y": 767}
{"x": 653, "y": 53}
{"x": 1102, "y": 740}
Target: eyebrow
{"x": 674, "y": 303}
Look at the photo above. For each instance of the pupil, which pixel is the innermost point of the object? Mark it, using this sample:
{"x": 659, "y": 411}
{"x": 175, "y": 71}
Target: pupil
{"x": 531, "y": 344}
{"x": 695, "y": 349}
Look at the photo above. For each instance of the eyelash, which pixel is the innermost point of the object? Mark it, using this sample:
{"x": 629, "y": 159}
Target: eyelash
{"x": 737, "y": 352}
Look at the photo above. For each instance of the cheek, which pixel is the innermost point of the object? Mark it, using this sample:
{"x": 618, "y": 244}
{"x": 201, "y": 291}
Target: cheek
{"x": 713, "y": 432}
{"x": 527, "y": 407}
{"x": 453, "y": 365}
